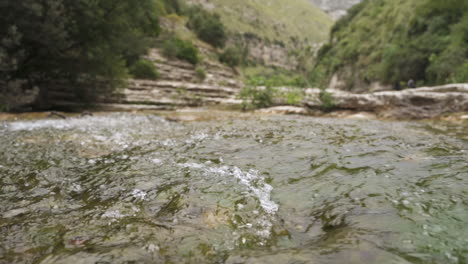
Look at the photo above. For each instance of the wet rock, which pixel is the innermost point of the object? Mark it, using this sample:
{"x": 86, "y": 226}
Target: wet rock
{"x": 15, "y": 212}
{"x": 57, "y": 114}
{"x": 362, "y": 116}
{"x": 285, "y": 110}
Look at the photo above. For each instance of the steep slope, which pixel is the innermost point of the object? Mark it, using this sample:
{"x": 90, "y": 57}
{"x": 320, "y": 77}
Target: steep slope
{"x": 178, "y": 86}
{"x": 388, "y": 42}
{"x": 335, "y": 8}
{"x": 288, "y": 22}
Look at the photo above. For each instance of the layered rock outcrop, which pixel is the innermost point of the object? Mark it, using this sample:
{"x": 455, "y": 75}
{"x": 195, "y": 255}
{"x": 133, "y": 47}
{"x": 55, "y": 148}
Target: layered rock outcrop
{"x": 178, "y": 86}
{"x": 426, "y": 102}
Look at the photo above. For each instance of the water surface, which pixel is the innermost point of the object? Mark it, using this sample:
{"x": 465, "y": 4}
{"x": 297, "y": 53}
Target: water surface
{"x": 136, "y": 188}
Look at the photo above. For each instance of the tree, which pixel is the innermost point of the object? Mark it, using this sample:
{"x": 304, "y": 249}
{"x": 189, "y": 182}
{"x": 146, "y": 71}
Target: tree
{"x": 207, "y": 26}
{"x": 83, "y": 42}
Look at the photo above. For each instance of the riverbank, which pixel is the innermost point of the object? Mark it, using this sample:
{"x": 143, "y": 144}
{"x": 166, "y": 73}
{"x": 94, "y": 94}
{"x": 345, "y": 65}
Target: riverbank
{"x": 448, "y": 102}
{"x": 223, "y": 113}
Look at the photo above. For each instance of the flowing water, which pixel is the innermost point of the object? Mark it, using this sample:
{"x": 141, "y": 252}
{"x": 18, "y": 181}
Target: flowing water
{"x": 135, "y": 188}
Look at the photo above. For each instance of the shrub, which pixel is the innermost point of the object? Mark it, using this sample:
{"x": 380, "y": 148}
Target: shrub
{"x": 184, "y": 50}
{"x": 278, "y": 79}
{"x": 207, "y": 26}
{"x": 231, "y": 56}
{"x": 201, "y": 74}
{"x": 328, "y": 103}
{"x": 256, "y": 97}
{"x": 144, "y": 69}
{"x": 294, "y": 97}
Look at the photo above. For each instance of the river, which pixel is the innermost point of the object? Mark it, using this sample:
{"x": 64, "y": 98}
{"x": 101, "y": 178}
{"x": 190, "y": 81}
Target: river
{"x": 232, "y": 188}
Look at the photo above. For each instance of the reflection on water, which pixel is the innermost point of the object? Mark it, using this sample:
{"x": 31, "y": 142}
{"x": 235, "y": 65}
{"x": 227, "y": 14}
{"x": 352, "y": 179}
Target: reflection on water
{"x": 122, "y": 188}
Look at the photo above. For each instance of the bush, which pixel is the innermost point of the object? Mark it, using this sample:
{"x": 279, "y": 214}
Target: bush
{"x": 207, "y": 26}
{"x": 180, "y": 49}
{"x": 328, "y": 103}
{"x": 277, "y": 80}
{"x": 255, "y": 97}
{"x": 201, "y": 74}
{"x": 231, "y": 56}
{"x": 294, "y": 97}
{"x": 144, "y": 69}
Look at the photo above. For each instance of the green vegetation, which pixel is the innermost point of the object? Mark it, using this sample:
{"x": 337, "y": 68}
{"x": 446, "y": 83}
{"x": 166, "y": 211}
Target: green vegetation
{"x": 231, "y": 56}
{"x": 262, "y": 90}
{"x": 391, "y": 41}
{"x": 254, "y": 97}
{"x": 294, "y": 97}
{"x": 181, "y": 49}
{"x": 294, "y": 22}
{"x": 275, "y": 78}
{"x": 328, "y": 103}
{"x": 207, "y": 26}
{"x": 87, "y": 43}
{"x": 201, "y": 73}
{"x": 144, "y": 69}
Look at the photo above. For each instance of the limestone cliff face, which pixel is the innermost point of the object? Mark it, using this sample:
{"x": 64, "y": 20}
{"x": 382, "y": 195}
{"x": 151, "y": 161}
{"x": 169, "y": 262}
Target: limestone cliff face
{"x": 178, "y": 86}
{"x": 335, "y": 8}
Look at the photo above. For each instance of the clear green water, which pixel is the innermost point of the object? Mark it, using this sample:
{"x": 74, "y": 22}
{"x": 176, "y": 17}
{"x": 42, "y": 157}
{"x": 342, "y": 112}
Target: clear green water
{"x": 124, "y": 188}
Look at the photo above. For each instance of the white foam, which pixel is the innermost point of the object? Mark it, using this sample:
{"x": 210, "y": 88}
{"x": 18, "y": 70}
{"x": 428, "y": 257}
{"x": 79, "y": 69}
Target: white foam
{"x": 196, "y": 138}
{"x": 113, "y": 214}
{"x": 83, "y": 123}
{"x": 193, "y": 165}
{"x": 156, "y": 161}
{"x": 139, "y": 194}
{"x": 256, "y": 186}
{"x": 255, "y": 183}
{"x": 251, "y": 179}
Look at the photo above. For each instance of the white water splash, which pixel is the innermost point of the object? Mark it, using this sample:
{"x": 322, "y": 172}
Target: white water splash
{"x": 156, "y": 161}
{"x": 113, "y": 214}
{"x": 139, "y": 194}
{"x": 257, "y": 187}
{"x": 82, "y": 123}
{"x": 255, "y": 183}
{"x": 197, "y": 138}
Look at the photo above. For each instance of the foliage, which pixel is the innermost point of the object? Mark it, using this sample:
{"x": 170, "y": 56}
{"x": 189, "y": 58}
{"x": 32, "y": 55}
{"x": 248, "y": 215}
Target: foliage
{"x": 231, "y": 56}
{"x": 277, "y": 80}
{"x": 328, "y": 103}
{"x": 201, "y": 73}
{"x": 83, "y": 42}
{"x": 392, "y": 41}
{"x": 181, "y": 49}
{"x": 294, "y": 97}
{"x": 254, "y": 97}
{"x": 172, "y": 6}
{"x": 144, "y": 69}
{"x": 207, "y": 26}
{"x": 292, "y": 23}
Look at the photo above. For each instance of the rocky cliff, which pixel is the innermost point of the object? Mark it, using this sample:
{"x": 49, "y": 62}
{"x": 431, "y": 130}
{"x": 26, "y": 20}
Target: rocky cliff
{"x": 335, "y": 8}
{"x": 179, "y": 85}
